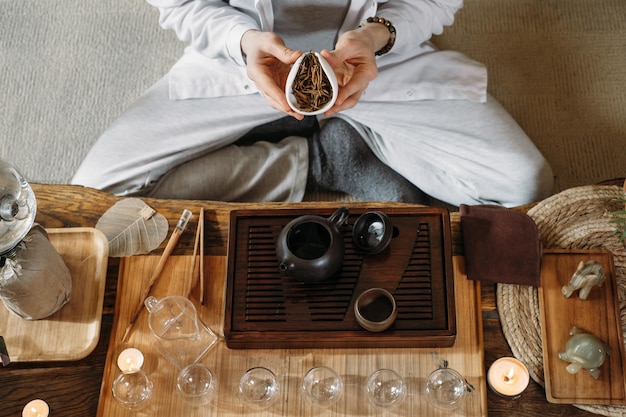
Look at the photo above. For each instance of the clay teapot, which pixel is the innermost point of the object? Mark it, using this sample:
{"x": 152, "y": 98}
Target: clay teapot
{"x": 310, "y": 248}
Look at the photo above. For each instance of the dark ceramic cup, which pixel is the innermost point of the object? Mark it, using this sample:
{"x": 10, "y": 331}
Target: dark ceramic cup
{"x": 375, "y": 309}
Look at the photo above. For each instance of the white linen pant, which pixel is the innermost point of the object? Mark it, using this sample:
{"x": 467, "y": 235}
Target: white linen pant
{"x": 456, "y": 151}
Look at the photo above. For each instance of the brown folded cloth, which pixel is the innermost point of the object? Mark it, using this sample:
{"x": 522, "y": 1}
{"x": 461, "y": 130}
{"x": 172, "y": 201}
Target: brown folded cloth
{"x": 501, "y": 245}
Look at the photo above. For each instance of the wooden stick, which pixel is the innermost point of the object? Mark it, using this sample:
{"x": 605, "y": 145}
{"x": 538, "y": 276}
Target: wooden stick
{"x": 201, "y": 227}
{"x": 178, "y": 230}
{"x": 195, "y": 252}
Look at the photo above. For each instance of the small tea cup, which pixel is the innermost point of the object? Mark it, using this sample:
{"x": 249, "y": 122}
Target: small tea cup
{"x": 385, "y": 388}
{"x": 446, "y": 388}
{"x": 291, "y": 77}
{"x": 132, "y": 389}
{"x": 196, "y": 384}
{"x": 259, "y": 387}
{"x": 375, "y": 309}
{"x": 322, "y": 386}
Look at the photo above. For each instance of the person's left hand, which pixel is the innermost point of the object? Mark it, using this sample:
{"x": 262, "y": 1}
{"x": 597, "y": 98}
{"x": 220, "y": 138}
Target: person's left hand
{"x": 354, "y": 63}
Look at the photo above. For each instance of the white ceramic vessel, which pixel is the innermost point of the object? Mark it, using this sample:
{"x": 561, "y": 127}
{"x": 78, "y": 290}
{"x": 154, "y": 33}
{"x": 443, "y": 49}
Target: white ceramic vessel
{"x": 332, "y": 78}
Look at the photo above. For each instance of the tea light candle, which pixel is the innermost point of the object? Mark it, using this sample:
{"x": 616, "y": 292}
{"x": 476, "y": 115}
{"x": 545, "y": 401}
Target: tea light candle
{"x": 508, "y": 377}
{"x": 36, "y": 408}
{"x": 130, "y": 359}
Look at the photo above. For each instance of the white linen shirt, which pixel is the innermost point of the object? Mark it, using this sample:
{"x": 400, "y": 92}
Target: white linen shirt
{"x": 213, "y": 64}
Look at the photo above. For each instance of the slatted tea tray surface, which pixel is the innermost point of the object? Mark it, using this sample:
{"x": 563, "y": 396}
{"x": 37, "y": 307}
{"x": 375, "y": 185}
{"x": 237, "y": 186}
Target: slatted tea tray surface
{"x": 266, "y": 308}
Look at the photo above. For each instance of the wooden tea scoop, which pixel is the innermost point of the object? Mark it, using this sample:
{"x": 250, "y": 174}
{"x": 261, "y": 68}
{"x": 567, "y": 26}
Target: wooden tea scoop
{"x": 178, "y": 231}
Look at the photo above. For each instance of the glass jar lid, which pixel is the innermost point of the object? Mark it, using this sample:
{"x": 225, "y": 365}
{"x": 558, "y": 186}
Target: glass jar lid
{"x": 17, "y": 207}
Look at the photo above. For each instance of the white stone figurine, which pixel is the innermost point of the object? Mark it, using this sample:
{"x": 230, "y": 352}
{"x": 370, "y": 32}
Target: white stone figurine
{"x": 588, "y": 275}
{"x": 584, "y": 351}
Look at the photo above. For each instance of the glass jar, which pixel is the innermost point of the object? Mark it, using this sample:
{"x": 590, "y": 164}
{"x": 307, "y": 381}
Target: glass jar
{"x": 34, "y": 280}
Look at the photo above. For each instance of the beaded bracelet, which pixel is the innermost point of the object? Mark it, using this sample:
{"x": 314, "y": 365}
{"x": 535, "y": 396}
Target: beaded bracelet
{"x": 392, "y": 33}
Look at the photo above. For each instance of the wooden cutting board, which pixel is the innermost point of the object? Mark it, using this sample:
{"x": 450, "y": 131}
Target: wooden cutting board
{"x": 598, "y": 314}
{"x": 353, "y": 365}
{"x": 72, "y": 332}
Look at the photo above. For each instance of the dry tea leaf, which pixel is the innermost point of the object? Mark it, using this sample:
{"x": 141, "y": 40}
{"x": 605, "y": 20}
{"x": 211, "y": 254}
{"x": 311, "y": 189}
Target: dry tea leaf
{"x": 311, "y": 86}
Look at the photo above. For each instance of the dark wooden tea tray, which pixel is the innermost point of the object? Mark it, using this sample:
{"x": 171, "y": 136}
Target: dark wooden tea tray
{"x": 267, "y": 309}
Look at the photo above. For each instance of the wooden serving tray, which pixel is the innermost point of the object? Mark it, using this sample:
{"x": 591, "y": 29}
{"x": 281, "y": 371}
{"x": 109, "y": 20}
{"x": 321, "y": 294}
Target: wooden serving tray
{"x": 598, "y": 315}
{"x": 72, "y": 332}
{"x": 290, "y": 365}
{"x": 266, "y": 308}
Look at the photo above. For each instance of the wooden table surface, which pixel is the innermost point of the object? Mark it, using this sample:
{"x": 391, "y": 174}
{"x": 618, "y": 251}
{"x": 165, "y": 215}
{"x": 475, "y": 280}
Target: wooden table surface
{"x": 72, "y": 388}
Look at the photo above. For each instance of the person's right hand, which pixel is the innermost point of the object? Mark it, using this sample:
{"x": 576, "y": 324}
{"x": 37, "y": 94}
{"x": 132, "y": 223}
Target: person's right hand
{"x": 268, "y": 64}
{"x": 354, "y": 63}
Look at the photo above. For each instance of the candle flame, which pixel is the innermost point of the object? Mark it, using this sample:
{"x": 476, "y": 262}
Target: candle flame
{"x": 130, "y": 360}
{"x": 509, "y": 376}
{"x": 36, "y": 408}
{"x": 35, "y": 411}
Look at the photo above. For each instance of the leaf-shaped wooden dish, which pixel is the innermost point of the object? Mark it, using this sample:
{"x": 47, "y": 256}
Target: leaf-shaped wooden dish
{"x": 132, "y": 228}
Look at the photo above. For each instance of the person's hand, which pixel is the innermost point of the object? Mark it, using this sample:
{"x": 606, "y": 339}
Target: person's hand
{"x": 268, "y": 64}
{"x": 354, "y": 62}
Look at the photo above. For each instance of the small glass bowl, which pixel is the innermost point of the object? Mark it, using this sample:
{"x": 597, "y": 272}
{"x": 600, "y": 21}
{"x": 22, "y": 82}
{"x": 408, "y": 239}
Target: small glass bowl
{"x": 132, "y": 389}
{"x": 259, "y": 387}
{"x": 322, "y": 386}
{"x": 196, "y": 384}
{"x": 385, "y": 388}
{"x": 446, "y": 388}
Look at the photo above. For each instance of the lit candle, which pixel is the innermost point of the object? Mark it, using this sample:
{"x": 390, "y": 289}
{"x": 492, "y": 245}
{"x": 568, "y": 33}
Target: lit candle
{"x": 508, "y": 377}
{"x": 36, "y": 408}
{"x": 130, "y": 359}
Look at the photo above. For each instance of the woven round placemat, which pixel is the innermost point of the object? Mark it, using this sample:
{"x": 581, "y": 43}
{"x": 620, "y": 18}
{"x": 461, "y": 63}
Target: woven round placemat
{"x": 578, "y": 218}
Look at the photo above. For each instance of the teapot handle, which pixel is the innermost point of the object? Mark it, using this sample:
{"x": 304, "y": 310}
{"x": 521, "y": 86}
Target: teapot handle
{"x": 340, "y": 216}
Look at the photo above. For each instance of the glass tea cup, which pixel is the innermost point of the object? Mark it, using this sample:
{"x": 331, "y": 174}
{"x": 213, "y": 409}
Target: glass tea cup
{"x": 385, "y": 388}
{"x": 322, "y": 386}
{"x": 259, "y": 387}
{"x": 196, "y": 384}
{"x": 132, "y": 389}
{"x": 446, "y": 388}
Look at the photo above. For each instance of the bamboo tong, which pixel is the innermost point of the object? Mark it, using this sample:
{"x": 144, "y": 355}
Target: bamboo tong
{"x": 199, "y": 240}
{"x": 173, "y": 240}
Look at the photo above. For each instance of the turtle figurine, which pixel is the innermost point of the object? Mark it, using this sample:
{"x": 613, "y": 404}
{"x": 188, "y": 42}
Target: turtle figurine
{"x": 584, "y": 351}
